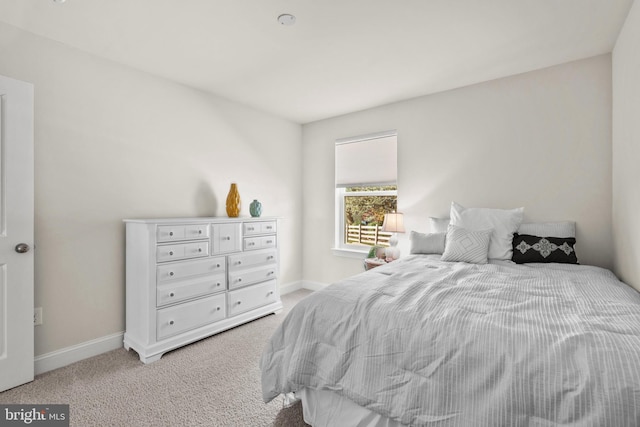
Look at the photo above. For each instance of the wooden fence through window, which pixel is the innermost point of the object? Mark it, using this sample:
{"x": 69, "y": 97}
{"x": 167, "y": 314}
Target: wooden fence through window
{"x": 371, "y": 235}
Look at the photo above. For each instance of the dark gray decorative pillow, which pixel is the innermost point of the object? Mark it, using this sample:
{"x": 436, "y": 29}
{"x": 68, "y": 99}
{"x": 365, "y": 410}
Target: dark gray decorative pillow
{"x": 528, "y": 248}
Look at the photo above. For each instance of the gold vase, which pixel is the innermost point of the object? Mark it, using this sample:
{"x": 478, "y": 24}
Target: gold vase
{"x": 233, "y": 201}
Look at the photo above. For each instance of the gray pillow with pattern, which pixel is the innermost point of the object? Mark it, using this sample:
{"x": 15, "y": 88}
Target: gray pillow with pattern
{"x": 463, "y": 245}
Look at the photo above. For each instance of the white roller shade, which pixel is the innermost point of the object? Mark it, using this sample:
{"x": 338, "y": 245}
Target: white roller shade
{"x": 372, "y": 161}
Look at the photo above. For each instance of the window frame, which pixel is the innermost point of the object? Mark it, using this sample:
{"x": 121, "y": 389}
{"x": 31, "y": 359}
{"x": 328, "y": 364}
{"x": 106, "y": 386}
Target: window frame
{"x": 341, "y": 193}
{"x": 341, "y": 248}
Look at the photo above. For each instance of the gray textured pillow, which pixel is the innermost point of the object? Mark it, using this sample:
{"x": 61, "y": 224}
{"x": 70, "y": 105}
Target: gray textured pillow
{"x": 504, "y": 223}
{"x": 438, "y": 225}
{"x": 563, "y": 229}
{"x": 427, "y": 243}
{"x": 464, "y": 245}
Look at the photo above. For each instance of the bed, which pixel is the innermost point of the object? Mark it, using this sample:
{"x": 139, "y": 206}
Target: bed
{"x": 424, "y": 342}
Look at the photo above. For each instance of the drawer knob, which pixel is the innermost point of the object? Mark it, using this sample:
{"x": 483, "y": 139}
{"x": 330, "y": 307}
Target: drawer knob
{"x": 217, "y": 308}
{"x": 218, "y": 265}
{"x": 239, "y": 302}
{"x": 251, "y": 243}
{"x": 250, "y": 229}
{"x": 270, "y": 273}
{"x": 22, "y": 248}
{"x": 239, "y": 262}
{"x": 217, "y": 284}
{"x": 269, "y": 241}
{"x": 199, "y": 249}
{"x": 171, "y": 273}
{"x": 269, "y": 227}
{"x": 199, "y": 231}
{"x": 240, "y": 279}
{"x": 171, "y": 233}
{"x": 270, "y": 293}
{"x": 172, "y": 294}
{"x": 170, "y": 252}
{"x": 270, "y": 257}
{"x": 171, "y": 322}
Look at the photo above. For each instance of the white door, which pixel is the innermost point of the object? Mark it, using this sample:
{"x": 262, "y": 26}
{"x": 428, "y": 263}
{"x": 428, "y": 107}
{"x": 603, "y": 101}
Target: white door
{"x": 16, "y": 233}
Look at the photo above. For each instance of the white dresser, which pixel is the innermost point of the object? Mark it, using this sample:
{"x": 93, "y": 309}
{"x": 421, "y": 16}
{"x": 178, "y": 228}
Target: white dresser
{"x": 189, "y": 278}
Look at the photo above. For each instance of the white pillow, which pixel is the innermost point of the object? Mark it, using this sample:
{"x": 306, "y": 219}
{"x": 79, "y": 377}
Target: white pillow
{"x": 438, "y": 225}
{"x": 464, "y": 245}
{"x": 427, "y": 243}
{"x": 562, "y": 229}
{"x": 504, "y": 223}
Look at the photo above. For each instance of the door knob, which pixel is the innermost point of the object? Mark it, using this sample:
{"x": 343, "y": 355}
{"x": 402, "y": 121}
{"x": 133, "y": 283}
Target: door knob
{"x": 22, "y": 248}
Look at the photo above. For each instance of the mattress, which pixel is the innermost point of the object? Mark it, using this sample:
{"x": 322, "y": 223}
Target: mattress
{"x": 424, "y": 342}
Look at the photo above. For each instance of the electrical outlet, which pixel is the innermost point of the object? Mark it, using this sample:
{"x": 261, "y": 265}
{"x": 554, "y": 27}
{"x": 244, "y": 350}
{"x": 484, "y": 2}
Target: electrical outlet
{"x": 37, "y": 316}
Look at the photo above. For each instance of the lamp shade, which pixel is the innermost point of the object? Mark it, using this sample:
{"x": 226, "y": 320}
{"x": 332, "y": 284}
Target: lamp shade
{"x": 393, "y": 222}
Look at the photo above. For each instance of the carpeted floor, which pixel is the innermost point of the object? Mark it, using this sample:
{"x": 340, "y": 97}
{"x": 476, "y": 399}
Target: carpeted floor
{"x": 213, "y": 382}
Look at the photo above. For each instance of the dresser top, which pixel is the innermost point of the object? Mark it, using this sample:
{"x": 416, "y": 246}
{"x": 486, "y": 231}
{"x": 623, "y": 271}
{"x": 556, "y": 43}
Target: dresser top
{"x": 202, "y": 219}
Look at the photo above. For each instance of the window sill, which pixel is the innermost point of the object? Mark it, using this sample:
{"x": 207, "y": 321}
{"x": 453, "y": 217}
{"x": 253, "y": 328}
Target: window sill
{"x": 351, "y": 253}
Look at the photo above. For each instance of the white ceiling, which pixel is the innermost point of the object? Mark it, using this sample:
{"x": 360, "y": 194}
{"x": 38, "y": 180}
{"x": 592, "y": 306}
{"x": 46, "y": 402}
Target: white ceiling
{"x": 340, "y": 56}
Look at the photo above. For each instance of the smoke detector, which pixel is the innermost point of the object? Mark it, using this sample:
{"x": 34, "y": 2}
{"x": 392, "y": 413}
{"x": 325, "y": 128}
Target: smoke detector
{"x": 286, "y": 19}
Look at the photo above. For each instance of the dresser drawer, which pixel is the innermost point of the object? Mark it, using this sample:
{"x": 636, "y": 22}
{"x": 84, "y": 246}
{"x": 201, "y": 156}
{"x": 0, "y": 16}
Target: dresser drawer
{"x": 262, "y": 242}
{"x": 167, "y": 233}
{"x": 181, "y": 270}
{"x": 177, "y": 251}
{"x": 251, "y": 297}
{"x": 176, "y": 291}
{"x": 180, "y": 318}
{"x": 249, "y": 260}
{"x": 226, "y": 238}
{"x": 170, "y": 233}
{"x": 260, "y": 227}
{"x": 254, "y": 275}
{"x": 197, "y": 231}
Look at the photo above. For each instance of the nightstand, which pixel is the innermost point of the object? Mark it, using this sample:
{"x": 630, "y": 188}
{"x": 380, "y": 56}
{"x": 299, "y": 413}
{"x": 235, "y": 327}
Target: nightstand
{"x": 370, "y": 263}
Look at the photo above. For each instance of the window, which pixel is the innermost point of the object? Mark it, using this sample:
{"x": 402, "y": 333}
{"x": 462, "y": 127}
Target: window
{"x": 366, "y": 189}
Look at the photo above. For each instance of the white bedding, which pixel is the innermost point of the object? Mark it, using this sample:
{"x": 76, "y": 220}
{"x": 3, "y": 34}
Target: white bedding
{"x": 324, "y": 408}
{"x": 425, "y": 342}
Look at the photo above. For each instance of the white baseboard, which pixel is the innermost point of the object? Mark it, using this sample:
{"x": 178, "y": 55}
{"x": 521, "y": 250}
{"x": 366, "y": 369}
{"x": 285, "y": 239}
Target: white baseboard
{"x": 66, "y": 356}
{"x": 313, "y": 286}
{"x": 290, "y": 287}
{"x": 75, "y": 353}
{"x": 302, "y": 284}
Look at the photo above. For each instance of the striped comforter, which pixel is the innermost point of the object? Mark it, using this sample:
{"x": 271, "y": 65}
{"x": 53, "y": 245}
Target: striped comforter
{"x": 430, "y": 343}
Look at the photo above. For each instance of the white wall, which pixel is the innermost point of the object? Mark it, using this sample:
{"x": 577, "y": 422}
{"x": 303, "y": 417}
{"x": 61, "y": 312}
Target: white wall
{"x": 541, "y": 140}
{"x": 114, "y": 143}
{"x": 626, "y": 150}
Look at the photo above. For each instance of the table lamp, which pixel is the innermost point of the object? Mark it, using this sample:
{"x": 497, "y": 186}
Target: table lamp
{"x": 393, "y": 223}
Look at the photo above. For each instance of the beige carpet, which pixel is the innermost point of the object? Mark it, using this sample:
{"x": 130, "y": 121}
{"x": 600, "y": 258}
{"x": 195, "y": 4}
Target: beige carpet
{"x": 213, "y": 382}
